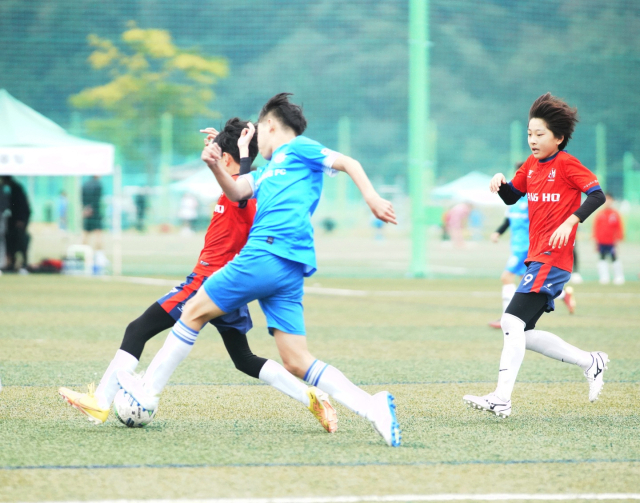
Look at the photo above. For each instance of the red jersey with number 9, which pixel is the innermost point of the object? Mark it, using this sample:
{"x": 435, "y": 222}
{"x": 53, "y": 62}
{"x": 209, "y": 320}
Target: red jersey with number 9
{"x": 553, "y": 187}
{"x": 227, "y": 234}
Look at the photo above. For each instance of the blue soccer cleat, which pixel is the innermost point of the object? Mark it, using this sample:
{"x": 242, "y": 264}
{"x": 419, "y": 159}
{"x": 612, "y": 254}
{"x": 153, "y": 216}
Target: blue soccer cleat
{"x": 383, "y": 418}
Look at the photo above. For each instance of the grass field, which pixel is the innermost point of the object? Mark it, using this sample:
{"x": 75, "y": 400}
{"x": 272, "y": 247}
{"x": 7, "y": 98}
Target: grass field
{"x": 220, "y": 434}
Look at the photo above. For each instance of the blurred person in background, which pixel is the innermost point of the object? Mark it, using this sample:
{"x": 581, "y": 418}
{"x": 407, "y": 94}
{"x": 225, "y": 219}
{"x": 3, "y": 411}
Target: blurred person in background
{"x": 188, "y": 213}
{"x": 457, "y": 223}
{"x": 4, "y": 214}
{"x": 140, "y": 200}
{"x": 476, "y": 222}
{"x": 92, "y": 212}
{"x": 16, "y": 237}
{"x": 63, "y": 211}
{"x": 607, "y": 232}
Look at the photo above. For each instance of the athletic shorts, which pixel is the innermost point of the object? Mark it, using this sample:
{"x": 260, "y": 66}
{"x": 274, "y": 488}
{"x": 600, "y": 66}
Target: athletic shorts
{"x": 605, "y": 250}
{"x": 515, "y": 264}
{"x": 274, "y": 281}
{"x": 544, "y": 278}
{"x": 173, "y": 303}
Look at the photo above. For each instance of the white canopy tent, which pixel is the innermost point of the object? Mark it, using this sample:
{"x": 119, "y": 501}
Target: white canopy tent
{"x": 471, "y": 188}
{"x": 33, "y": 145}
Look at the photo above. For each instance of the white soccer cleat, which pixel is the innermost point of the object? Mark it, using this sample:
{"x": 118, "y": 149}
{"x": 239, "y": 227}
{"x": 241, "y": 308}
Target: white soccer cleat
{"x": 133, "y": 385}
{"x": 490, "y": 403}
{"x": 595, "y": 374}
{"x": 383, "y": 418}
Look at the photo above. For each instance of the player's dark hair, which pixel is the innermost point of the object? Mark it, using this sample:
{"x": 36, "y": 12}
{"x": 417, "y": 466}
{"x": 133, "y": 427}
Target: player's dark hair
{"x": 289, "y": 114}
{"x": 560, "y": 118}
{"x": 228, "y": 139}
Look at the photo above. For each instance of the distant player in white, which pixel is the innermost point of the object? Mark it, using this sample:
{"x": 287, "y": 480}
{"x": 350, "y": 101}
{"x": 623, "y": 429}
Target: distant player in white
{"x": 272, "y": 266}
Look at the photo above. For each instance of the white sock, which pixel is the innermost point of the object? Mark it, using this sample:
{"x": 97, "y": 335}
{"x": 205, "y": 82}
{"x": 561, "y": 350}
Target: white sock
{"x": 551, "y": 345}
{"x": 618, "y": 272}
{"x": 512, "y": 355}
{"x": 562, "y": 295}
{"x": 603, "y": 272}
{"x": 108, "y": 387}
{"x": 508, "y": 291}
{"x": 330, "y": 380}
{"x": 175, "y": 349}
{"x": 277, "y": 376}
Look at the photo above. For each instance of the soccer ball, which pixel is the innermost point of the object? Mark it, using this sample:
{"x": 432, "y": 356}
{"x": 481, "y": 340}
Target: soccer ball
{"x": 130, "y": 412}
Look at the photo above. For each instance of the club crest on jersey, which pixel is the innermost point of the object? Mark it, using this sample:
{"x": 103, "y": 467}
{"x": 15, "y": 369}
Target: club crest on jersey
{"x": 279, "y": 158}
{"x": 552, "y": 176}
{"x": 530, "y": 173}
{"x": 219, "y": 209}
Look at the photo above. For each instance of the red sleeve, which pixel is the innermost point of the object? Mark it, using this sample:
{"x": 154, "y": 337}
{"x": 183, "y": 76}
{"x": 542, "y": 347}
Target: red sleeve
{"x": 519, "y": 181}
{"x": 579, "y": 177}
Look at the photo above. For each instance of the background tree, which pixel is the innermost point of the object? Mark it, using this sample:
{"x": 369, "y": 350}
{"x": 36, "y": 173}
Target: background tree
{"x": 149, "y": 76}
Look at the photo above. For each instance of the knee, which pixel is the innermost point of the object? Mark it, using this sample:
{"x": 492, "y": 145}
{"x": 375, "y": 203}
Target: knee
{"x": 512, "y": 325}
{"x": 295, "y": 365}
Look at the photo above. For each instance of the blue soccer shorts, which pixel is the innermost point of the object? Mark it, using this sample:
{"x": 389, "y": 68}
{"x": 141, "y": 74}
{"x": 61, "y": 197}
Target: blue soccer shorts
{"x": 515, "y": 264}
{"x": 544, "y": 278}
{"x": 277, "y": 283}
{"x": 174, "y": 301}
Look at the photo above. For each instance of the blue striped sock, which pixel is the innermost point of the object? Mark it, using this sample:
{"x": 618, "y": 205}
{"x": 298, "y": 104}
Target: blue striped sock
{"x": 184, "y": 333}
{"x": 314, "y": 372}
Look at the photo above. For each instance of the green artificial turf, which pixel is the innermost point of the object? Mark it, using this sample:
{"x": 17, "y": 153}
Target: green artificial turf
{"x": 219, "y": 433}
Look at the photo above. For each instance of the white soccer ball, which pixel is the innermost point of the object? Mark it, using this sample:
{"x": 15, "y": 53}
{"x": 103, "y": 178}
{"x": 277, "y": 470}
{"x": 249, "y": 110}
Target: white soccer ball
{"x": 130, "y": 412}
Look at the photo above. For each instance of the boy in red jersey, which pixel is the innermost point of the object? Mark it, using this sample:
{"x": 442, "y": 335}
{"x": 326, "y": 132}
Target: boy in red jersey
{"x": 607, "y": 231}
{"x": 225, "y": 237}
{"x": 553, "y": 182}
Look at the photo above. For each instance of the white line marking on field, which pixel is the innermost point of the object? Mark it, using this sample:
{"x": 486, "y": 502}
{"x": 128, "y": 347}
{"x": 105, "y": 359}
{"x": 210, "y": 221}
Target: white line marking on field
{"x": 398, "y": 498}
{"x": 345, "y": 292}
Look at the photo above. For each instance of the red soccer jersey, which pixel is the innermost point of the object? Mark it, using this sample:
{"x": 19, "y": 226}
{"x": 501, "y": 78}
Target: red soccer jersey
{"x": 607, "y": 227}
{"x": 553, "y": 189}
{"x": 226, "y": 235}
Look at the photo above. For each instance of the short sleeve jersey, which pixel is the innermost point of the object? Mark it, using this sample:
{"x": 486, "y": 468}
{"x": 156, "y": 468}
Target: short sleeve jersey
{"x": 226, "y": 235}
{"x": 287, "y": 190}
{"x": 553, "y": 187}
{"x": 518, "y": 215}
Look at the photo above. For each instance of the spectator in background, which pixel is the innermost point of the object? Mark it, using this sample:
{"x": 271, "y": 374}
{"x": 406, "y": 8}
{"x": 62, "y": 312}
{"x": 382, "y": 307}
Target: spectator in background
{"x": 476, "y": 222}
{"x": 4, "y": 214}
{"x": 188, "y": 212}
{"x": 63, "y": 210}
{"x": 457, "y": 222}
{"x": 92, "y": 212}
{"x": 607, "y": 232}
{"x": 140, "y": 201}
{"x": 17, "y": 239}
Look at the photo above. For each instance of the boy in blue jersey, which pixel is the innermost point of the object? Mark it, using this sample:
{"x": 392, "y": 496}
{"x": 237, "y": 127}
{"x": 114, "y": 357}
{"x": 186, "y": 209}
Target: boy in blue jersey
{"x": 272, "y": 266}
{"x": 517, "y": 219}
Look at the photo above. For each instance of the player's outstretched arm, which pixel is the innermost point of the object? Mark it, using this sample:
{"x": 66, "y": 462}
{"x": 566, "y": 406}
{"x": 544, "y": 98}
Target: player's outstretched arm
{"x": 235, "y": 190}
{"x": 380, "y": 207}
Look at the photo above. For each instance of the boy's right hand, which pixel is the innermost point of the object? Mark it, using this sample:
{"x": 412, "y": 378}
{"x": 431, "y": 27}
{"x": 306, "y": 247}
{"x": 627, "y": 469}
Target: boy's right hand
{"x": 246, "y": 135}
{"x": 382, "y": 209}
{"x": 497, "y": 180}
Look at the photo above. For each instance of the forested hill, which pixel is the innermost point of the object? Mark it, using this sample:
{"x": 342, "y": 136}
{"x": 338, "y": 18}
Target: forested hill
{"x": 489, "y": 61}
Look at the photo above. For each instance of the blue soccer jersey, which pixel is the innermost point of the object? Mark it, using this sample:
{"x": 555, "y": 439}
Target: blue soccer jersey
{"x": 518, "y": 216}
{"x": 287, "y": 190}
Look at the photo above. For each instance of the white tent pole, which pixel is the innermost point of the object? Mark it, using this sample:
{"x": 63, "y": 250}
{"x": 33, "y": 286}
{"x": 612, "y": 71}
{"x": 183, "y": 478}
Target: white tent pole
{"x": 117, "y": 221}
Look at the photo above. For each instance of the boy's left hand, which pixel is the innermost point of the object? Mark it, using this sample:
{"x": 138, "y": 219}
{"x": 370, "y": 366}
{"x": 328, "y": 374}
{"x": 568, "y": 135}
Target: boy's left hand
{"x": 560, "y": 237}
